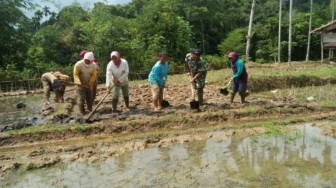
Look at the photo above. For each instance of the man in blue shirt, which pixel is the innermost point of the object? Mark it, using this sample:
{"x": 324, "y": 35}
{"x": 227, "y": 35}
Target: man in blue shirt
{"x": 157, "y": 80}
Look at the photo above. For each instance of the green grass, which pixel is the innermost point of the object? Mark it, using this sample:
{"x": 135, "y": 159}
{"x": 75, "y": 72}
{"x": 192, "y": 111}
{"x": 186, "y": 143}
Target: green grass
{"x": 273, "y": 129}
{"x": 253, "y": 109}
{"x": 329, "y": 104}
{"x": 39, "y": 128}
{"x": 31, "y": 166}
{"x": 84, "y": 128}
{"x": 274, "y": 126}
{"x": 167, "y": 118}
{"x": 298, "y": 69}
{"x": 52, "y": 128}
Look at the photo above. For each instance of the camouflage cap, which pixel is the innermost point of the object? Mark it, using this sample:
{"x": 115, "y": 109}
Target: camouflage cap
{"x": 196, "y": 52}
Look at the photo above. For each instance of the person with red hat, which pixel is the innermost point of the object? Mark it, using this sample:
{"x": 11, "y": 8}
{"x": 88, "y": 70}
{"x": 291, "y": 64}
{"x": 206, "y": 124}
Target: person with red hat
{"x": 83, "y": 53}
{"x": 239, "y": 77}
{"x": 94, "y": 90}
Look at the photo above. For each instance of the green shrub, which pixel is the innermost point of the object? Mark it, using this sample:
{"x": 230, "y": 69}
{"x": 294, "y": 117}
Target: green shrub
{"x": 216, "y": 62}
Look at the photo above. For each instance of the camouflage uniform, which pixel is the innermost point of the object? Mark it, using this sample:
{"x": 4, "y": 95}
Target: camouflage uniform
{"x": 196, "y": 67}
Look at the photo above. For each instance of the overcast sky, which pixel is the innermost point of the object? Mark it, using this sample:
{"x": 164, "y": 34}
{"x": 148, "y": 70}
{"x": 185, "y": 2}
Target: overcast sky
{"x": 56, "y": 5}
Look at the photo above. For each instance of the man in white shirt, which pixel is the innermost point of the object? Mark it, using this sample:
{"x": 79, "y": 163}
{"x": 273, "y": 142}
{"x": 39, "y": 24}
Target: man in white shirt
{"x": 117, "y": 76}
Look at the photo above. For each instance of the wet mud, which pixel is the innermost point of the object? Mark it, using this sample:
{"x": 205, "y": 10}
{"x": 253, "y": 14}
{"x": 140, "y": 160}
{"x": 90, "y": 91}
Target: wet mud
{"x": 302, "y": 157}
{"x": 141, "y": 117}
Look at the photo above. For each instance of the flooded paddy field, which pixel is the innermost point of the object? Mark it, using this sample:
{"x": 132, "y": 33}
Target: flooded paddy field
{"x": 301, "y": 157}
{"x": 267, "y": 142}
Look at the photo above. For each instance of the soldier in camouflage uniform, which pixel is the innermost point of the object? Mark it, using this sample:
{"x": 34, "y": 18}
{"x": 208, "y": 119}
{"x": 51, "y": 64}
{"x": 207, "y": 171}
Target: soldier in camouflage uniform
{"x": 196, "y": 68}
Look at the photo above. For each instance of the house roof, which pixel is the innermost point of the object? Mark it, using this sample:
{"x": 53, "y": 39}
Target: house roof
{"x": 328, "y": 28}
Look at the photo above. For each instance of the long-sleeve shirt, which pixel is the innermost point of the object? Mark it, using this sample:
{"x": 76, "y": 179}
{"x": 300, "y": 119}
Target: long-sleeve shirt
{"x": 119, "y": 73}
{"x": 49, "y": 77}
{"x": 240, "y": 67}
{"x": 158, "y": 74}
{"x": 85, "y": 74}
{"x": 195, "y": 66}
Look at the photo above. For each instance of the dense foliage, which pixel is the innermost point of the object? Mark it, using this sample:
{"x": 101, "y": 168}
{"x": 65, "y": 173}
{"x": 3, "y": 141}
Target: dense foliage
{"x": 51, "y": 41}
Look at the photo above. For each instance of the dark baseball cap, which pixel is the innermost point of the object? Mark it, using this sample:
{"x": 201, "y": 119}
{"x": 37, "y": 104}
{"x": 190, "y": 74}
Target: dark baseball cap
{"x": 196, "y": 52}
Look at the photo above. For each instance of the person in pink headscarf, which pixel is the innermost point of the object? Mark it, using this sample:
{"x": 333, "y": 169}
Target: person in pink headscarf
{"x": 117, "y": 77}
{"x": 239, "y": 77}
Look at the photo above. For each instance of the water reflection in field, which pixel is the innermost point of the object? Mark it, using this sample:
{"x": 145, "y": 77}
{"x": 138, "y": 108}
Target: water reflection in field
{"x": 302, "y": 158}
{"x": 30, "y": 114}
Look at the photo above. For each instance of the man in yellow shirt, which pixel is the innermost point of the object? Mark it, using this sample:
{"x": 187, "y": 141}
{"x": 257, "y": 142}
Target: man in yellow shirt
{"x": 85, "y": 73}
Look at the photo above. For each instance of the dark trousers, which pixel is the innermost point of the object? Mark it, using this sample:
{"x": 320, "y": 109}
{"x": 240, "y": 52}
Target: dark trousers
{"x": 84, "y": 95}
{"x": 239, "y": 87}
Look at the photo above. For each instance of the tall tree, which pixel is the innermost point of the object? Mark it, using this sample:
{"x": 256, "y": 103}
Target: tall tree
{"x": 331, "y": 52}
{"x": 290, "y": 32}
{"x": 249, "y": 34}
{"x": 14, "y": 35}
{"x": 279, "y": 33}
{"x": 310, "y": 24}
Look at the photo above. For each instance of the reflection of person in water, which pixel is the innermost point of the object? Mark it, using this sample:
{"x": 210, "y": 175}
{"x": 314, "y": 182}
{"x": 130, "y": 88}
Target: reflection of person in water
{"x": 327, "y": 155}
{"x": 123, "y": 159}
{"x": 195, "y": 150}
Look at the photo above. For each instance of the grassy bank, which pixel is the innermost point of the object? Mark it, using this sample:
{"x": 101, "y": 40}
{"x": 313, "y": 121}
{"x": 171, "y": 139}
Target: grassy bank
{"x": 270, "y": 76}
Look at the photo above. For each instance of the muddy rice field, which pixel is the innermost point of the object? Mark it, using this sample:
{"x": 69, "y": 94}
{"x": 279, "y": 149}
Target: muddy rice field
{"x": 281, "y": 137}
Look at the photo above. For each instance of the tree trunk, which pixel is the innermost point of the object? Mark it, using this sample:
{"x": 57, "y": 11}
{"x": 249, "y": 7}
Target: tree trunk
{"x": 279, "y": 37}
{"x": 203, "y": 47}
{"x": 321, "y": 48}
{"x": 332, "y": 19}
{"x": 310, "y": 25}
{"x": 290, "y": 32}
{"x": 333, "y": 10}
{"x": 248, "y": 43}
